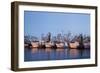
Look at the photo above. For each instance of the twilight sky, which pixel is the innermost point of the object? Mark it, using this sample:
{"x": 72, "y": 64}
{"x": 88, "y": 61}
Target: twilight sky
{"x": 38, "y": 22}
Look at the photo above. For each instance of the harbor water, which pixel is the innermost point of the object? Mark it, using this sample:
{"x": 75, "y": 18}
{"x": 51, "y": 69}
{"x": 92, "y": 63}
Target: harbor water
{"x": 37, "y": 54}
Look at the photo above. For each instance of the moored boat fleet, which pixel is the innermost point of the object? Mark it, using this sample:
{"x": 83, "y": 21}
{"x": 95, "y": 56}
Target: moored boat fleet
{"x": 78, "y": 42}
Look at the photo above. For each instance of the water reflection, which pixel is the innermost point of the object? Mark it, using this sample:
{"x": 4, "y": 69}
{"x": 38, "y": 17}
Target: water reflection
{"x": 74, "y": 53}
{"x": 37, "y": 54}
{"x": 34, "y": 50}
{"x": 48, "y": 50}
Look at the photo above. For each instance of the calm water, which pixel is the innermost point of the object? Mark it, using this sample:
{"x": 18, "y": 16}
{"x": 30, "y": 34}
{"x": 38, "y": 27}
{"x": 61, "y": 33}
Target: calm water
{"x": 36, "y": 54}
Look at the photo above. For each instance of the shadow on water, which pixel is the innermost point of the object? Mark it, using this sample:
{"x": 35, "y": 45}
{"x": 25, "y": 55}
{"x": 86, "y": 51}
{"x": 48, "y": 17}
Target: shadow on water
{"x": 37, "y": 54}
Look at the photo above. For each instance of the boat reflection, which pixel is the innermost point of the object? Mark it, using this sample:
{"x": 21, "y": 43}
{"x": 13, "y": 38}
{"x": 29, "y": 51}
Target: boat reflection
{"x": 48, "y": 50}
{"x": 40, "y": 54}
{"x": 74, "y": 53}
{"x": 34, "y": 50}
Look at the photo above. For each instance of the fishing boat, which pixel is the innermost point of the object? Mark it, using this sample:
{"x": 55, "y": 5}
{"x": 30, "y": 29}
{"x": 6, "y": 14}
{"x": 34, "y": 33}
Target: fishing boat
{"x": 26, "y": 45}
{"x": 60, "y": 45}
{"x": 35, "y": 44}
{"x": 77, "y": 44}
{"x": 66, "y": 44}
{"x": 54, "y": 45}
{"x": 86, "y": 45}
{"x": 41, "y": 44}
{"x": 73, "y": 45}
{"x": 48, "y": 44}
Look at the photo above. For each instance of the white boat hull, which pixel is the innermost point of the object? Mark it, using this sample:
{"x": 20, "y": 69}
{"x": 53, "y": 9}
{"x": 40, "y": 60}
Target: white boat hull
{"x": 35, "y": 44}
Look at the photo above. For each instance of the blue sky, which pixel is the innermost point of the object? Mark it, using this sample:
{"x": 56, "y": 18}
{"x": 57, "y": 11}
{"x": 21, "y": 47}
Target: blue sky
{"x": 38, "y": 22}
